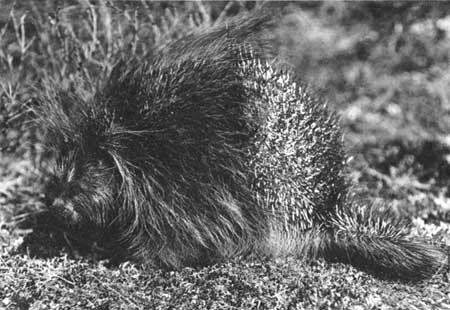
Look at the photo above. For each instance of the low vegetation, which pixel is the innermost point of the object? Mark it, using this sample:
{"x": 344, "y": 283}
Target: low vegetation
{"x": 384, "y": 66}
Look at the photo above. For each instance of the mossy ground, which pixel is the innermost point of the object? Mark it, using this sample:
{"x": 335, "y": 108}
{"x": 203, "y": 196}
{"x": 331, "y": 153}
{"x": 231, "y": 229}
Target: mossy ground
{"x": 383, "y": 66}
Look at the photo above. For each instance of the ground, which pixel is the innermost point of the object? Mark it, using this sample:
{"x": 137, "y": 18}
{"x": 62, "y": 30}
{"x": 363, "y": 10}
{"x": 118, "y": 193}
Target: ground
{"x": 383, "y": 66}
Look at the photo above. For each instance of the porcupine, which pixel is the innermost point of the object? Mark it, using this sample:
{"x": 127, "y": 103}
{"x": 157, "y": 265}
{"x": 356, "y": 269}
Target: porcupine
{"x": 209, "y": 150}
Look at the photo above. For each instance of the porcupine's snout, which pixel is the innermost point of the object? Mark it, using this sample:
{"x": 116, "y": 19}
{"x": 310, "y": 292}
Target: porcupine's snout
{"x": 66, "y": 210}
{"x": 59, "y": 201}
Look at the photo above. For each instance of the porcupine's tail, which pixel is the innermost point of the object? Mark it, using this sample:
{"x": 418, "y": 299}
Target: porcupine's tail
{"x": 362, "y": 237}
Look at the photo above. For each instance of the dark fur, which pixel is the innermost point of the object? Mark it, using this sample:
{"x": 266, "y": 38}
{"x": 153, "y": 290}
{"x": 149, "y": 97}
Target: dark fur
{"x": 207, "y": 151}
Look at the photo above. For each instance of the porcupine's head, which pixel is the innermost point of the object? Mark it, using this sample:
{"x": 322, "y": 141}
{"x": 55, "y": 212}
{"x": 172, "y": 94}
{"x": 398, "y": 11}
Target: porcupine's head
{"x": 83, "y": 182}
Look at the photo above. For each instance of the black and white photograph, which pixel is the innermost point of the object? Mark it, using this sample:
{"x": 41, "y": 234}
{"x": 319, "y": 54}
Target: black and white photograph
{"x": 224, "y": 154}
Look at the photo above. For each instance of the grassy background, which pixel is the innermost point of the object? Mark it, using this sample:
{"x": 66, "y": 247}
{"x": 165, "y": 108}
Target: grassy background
{"x": 384, "y": 66}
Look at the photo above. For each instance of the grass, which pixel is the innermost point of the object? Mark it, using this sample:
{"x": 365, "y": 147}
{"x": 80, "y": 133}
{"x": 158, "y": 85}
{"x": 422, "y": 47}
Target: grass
{"x": 64, "y": 283}
{"x": 388, "y": 80}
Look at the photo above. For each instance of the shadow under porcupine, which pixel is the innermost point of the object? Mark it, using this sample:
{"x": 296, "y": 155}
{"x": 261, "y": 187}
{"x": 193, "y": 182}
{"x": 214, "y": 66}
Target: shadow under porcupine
{"x": 208, "y": 150}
